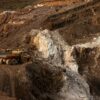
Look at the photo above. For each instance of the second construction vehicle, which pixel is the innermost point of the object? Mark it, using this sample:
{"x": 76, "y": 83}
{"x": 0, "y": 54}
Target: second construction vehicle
{"x": 13, "y": 57}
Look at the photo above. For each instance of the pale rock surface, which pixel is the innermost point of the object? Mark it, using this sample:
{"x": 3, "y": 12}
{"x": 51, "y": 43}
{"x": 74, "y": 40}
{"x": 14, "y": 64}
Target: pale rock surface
{"x": 53, "y": 47}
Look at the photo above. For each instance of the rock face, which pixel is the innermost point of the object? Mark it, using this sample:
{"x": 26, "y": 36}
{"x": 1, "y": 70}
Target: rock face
{"x": 87, "y": 57}
{"x": 54, "y": 83}
{"x": 52, "y": 46}
{"x": 42, "y": 81}
{"x": 82, "y": 58}
{"x": 53, "y": 76}
{"x": 49, "y": 44}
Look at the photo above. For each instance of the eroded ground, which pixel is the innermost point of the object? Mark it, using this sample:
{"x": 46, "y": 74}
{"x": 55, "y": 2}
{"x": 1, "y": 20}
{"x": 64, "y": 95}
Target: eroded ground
{"x": 72, "y": 42}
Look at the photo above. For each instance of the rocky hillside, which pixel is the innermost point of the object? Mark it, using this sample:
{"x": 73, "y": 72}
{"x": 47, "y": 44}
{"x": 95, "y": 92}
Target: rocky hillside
{"x": 74, "y": 25}
{"x": 16, "y": 4}
{"x": 63, "y": 40}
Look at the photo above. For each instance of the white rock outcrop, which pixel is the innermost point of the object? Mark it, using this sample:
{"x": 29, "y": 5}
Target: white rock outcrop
{"x": 51, "y": 46}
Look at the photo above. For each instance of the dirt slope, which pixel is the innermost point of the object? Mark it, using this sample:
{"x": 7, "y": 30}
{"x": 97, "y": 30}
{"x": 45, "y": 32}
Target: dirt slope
{"x": 44, "y": 79}
{"x": 74, "y": 26}
{"x": 16, "y": 4}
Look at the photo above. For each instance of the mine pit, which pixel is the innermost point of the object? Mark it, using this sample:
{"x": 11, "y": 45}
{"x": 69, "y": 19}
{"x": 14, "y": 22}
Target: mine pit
{"x": 62, "y": 40}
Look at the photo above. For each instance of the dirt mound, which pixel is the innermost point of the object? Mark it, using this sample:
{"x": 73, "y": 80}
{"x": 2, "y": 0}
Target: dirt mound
{"x": 14, "y": 82}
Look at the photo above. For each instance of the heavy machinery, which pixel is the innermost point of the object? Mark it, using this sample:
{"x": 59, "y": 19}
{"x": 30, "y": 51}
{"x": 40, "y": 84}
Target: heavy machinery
{"x": 13, "y": 57}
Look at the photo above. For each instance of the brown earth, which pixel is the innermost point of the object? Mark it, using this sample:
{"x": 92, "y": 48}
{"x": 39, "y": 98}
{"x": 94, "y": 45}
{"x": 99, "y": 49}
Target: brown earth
{"x": 75, "y": 26}
{"x": 88, "y": 60}
{"x": 17, "y": 4}
{"x": 41, "y": 81}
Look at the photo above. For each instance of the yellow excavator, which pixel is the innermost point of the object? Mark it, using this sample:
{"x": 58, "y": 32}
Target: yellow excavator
{"x": 13, "y": 57}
